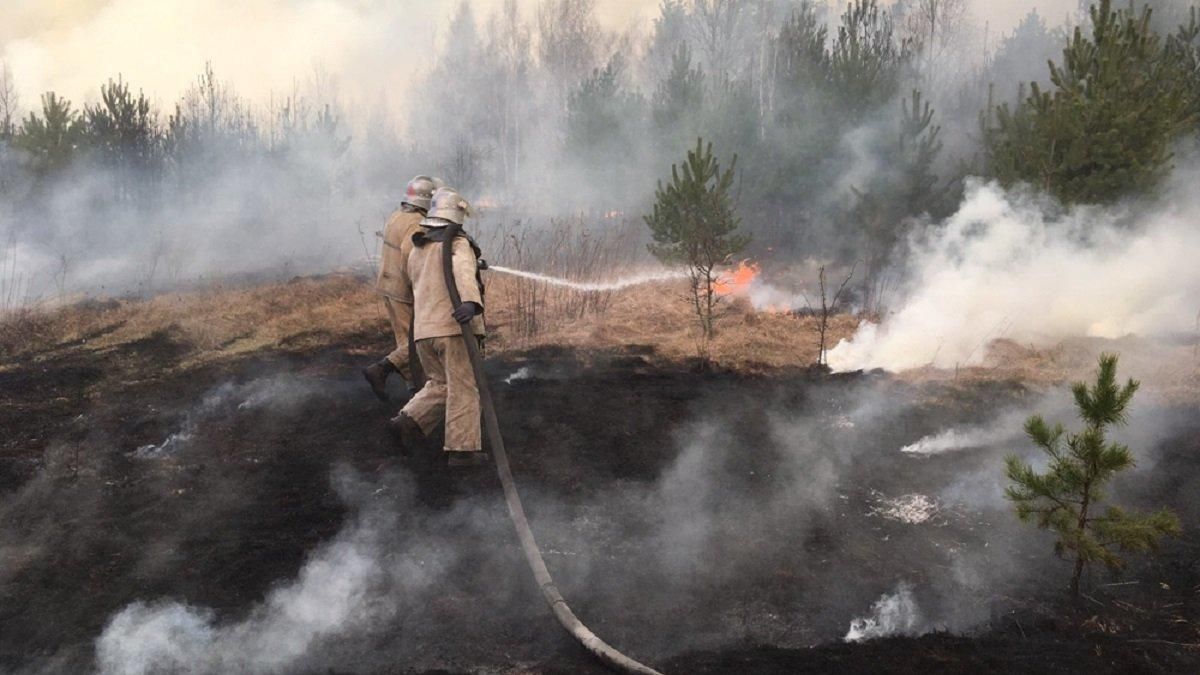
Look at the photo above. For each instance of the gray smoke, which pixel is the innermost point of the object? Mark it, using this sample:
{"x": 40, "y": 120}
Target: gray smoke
{"x": 304, "y": 146}
{"x": 932, "y": 536}
{"x": 1008, "y": 265}
{"x": 352, "y": 583}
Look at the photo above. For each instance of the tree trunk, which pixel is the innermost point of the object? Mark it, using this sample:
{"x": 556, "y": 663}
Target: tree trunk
{"x": 1076, "y": 576}
{"x": 1079, "y": 561}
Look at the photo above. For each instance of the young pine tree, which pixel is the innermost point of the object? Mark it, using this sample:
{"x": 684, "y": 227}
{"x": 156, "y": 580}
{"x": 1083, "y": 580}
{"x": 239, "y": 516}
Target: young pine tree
{"x": 1105, "y": 126}
{"x": 52, "y": 139}
{"x": 1067, "y": 498}
{"x": 907, "y": 188}
{"x": 679, "y": 99}
{"x": 693, "y": 223}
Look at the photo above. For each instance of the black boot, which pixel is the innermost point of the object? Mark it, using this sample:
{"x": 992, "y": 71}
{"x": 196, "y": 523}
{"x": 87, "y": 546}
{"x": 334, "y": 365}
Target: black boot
{"x": 407, "y": 433}
{"x": 377, "y": 375}
{"x": 466, "y": 460}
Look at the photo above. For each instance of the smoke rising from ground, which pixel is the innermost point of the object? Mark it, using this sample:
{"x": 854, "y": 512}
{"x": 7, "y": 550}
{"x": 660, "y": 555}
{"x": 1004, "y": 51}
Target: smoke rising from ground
{"x": 1008, "y": 266}
{"x": 1005, "y": 427}
{"x": 893, "y": 614}
{"x": 349, "y": 584}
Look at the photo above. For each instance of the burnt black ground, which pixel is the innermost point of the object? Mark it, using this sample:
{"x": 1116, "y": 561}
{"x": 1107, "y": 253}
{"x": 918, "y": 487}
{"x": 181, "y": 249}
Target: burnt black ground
{"x": 599, "y": 444}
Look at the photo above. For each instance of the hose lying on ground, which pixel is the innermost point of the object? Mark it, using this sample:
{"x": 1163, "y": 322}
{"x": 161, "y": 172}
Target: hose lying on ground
{"x": 533, "y": 555}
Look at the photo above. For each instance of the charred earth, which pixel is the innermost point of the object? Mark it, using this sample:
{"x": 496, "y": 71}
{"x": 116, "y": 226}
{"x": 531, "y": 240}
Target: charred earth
{"x": 158, "y": 515}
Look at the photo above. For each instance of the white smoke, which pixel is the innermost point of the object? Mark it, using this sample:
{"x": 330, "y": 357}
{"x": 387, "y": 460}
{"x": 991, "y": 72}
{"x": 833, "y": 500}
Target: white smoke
{"x": 522, "y": 373}
{"x": 766, "y": 296}
{"x": 895, "y": 613}
{"x": 347, "y": 585}
{"x": 961, "y": 438}
{"x": 278, "y": 393}
{"x": 1005, "y": 266}
{"x": 369, "y": 45}
{"x": 262, "y": 46}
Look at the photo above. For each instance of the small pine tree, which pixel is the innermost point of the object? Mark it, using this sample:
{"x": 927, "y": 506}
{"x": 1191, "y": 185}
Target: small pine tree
{"x": 906, "y": 188}
{"x": 679, "y": 96}
{"x": 867, "y": 61}
{"x": 52, "y": 139}
{"x": 1068, "y": 496}
{"x": 1105, "y": 127}
{"x": 693, "y": 223}
{"x": 602, "y": 119}
{"x": 122, "y": 129}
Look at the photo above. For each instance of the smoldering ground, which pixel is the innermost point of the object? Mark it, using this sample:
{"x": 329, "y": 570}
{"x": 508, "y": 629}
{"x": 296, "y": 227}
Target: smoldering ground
{"x": 1013, "y": 265}
{"x": 677, "y": 514}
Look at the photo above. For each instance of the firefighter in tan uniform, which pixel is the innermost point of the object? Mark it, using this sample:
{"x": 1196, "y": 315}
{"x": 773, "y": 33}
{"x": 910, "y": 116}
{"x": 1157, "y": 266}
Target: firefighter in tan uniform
{"x": 393, "y": 285}
{"x": 450, "y": 387}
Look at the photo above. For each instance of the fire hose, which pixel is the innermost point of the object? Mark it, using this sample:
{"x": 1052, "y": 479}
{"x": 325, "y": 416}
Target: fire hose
{"x": 516, "y": 511}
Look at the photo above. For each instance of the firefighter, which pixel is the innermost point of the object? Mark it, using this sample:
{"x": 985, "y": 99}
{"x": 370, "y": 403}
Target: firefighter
{"x": 450, "y": 387}
{"x": 392, "y": 285}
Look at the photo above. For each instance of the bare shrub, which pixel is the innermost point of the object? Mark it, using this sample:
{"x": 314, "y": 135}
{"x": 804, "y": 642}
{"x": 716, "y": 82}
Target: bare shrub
{"x": 828, "y": 307}
{"x": 528, "y": 294}
{"x": 14, "y": 285}
{"x": 575, "y": 248}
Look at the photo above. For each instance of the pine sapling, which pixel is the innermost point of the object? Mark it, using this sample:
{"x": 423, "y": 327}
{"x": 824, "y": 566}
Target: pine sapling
{"x": 1068, "y": 498}
{"x": 693, "y": 223}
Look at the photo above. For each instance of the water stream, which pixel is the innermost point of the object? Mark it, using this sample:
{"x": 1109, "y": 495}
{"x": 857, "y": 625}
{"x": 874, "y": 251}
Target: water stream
{"x": 594, "y": 286}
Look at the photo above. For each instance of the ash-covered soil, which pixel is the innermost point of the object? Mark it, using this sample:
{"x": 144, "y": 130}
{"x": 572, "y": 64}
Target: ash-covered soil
{"x": 254, "y": 515}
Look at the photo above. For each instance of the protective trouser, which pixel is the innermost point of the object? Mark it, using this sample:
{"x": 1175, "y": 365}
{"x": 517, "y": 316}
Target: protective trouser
{"x": 450, "y": 386}
{"x": 400, "y": 314}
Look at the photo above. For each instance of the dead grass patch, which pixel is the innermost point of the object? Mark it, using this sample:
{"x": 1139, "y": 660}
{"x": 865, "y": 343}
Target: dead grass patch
{"x": 661, "y": 315}
{"x": 214, "y": 322}
{"x": 1169, "y": 372}
{"x": 221, "y": 322}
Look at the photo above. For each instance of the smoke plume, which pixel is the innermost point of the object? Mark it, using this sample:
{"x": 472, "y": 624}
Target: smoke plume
{"x": 895, "y": 613}
{"x": 1008, "y": 266}
{"x": 348, "y": 584}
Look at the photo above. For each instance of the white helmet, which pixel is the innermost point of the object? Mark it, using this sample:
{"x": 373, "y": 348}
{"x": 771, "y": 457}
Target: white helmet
{"x": 447, "y": 205}
{"x": 419, "y": 192}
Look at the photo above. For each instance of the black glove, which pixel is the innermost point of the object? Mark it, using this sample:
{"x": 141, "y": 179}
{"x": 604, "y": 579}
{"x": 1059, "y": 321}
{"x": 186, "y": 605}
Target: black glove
{"x": 466, "y": 311}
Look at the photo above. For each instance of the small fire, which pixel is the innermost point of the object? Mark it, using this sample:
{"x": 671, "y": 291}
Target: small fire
{"x": 737, "y": 281}
{"x": 745, "y": 281}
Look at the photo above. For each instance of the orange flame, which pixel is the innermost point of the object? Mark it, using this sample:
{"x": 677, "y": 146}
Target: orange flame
{"x": 738, "y": 280}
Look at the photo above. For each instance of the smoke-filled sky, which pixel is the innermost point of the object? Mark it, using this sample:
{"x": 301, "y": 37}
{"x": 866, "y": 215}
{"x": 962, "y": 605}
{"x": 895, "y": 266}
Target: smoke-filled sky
{"x": 262, "y": 47}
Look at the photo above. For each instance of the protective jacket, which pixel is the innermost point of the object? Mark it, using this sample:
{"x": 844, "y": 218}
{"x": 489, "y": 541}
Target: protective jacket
{"x": 393, "y": 285}
{"x": 427, "y": 286}
{"x": 397, "y": 243}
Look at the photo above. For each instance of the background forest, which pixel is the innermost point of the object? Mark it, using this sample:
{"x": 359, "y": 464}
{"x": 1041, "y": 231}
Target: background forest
{"x": 854, "y": 128}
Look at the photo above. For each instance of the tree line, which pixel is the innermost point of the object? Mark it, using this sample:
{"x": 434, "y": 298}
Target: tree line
{"x": 849, "y": 129}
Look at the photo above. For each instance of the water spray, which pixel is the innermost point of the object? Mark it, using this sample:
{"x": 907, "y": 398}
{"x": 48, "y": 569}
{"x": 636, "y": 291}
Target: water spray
{"x": 593, "y": 287}
{"x": 533, "y": 555}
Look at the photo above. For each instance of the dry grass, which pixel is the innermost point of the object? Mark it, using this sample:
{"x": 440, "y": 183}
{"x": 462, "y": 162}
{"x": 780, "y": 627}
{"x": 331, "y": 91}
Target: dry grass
{"x": 661, "y": 315}
{"x": 216, "y": 322}
{"x": 1170, "y": 373}
{"x": 222, "y": 323}
{"x": 219, "y": 323}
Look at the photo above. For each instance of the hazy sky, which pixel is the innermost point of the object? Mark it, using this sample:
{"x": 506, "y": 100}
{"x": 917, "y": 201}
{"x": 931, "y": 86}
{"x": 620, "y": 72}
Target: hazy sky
{"x": 264, "y": 46}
